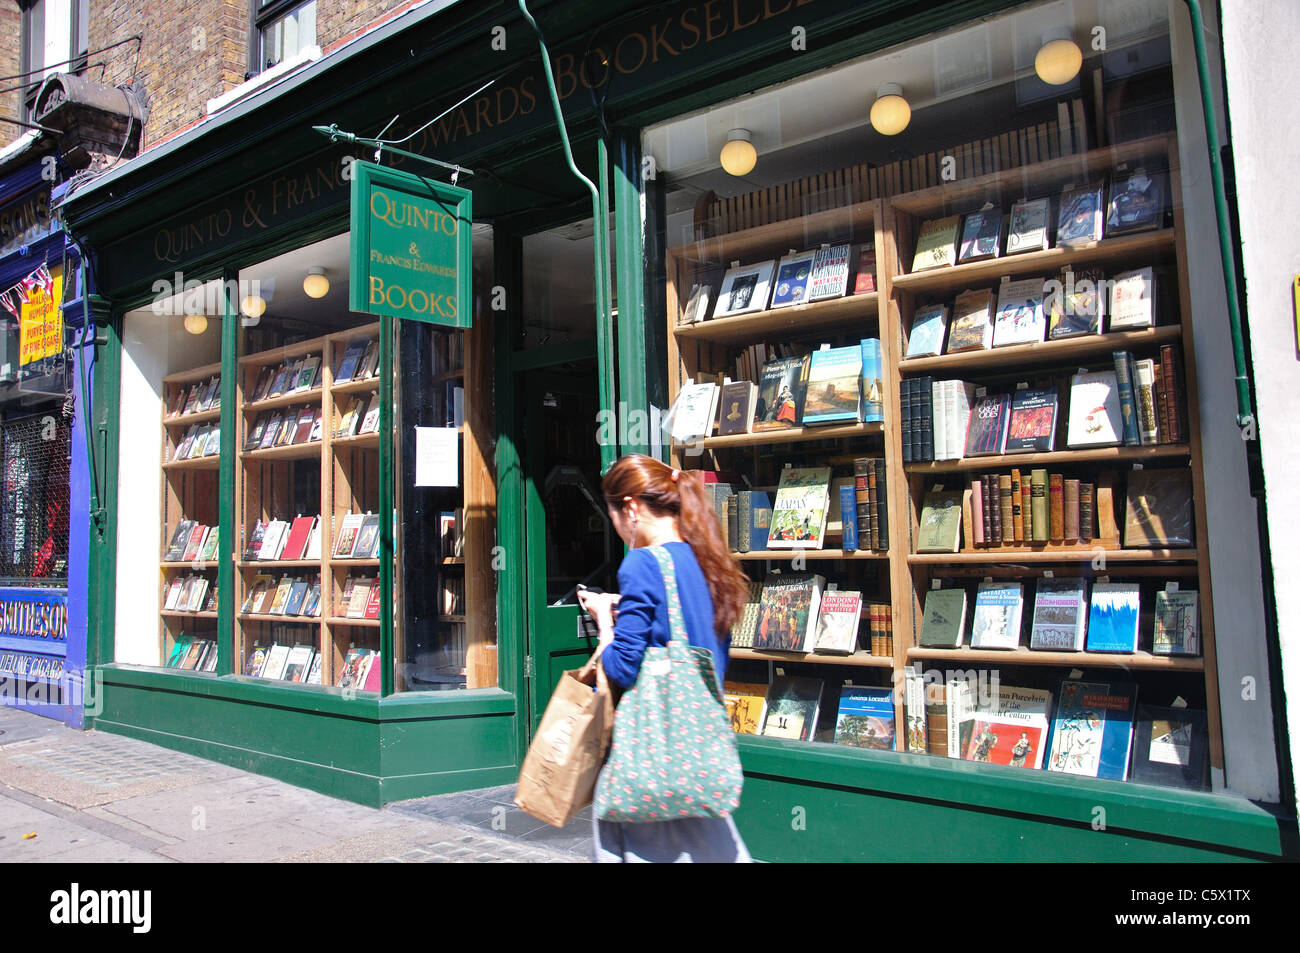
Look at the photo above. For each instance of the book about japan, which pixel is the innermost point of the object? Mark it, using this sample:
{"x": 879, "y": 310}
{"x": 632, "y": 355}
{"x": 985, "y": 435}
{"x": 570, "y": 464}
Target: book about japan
{"x": 1092, "y": 731}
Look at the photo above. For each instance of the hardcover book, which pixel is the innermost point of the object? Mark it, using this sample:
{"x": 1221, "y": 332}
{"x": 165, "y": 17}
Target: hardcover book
{"x": 1032, "y": 427}
{"x": 691, "y": 415}
{"x": 1113, "y": 617}
{"x": 306, "y": 378}
{"x": 936, "y": 246}
{"x": 800, "y": 509}
{"x": 1095, "y": 419}
{"x": 1011, "y": 728}
{"x": 367, "y": 542}
{"x": 939, "y": 530}
{"x": 736, "y": 407}
{"x": 348, "y": 365}
{"x": 1077, "y": 306}
{"x": 833, "y": 392}
{"x": 779, "y": 394}
{"x": 972, "y": 321}
{"x": 1020, "y": 317}
{"x": 1079, "y": 222}
{"x": 355, "y": 665}
{"x": 276, "y": 659}
{"x": 793, "y": 705}
{"x": 980, "y": 235}
{"x": 745, "y": 289}
{"x": 830, "y": 273}
{"x": 928, "y": 327}
{"x": 348, "y": 534}
{"x": 297, "y": 595}
{"x": 297, "y": 663}
{"x": 873, "y": 400}
{"x": 791, "y": 283}
{"x": 1092, "y": 730}
{"x": 944, "y": 622}
{"x": 180, "y": 538}
{"x": 1029, "y": 226}
{"x": 996, "y": 620}
{"x": 1060, "y": 615}
{"x": 865, "y": 283}
{"x": 1170, "y": 747}
{"x": 1132, "y": 300}
{"x": 742, "y": 630}
{"x": 1137, "y": 202}
{"x": 866, "y": 718}
{"x": 1177, "y": 625}
{"x": 745, "y": 703}
{"x": 787, "y": 612}
{"x": 837, "y": 623}
{"x": 209, "y": 550}
{"x": 1158, "y": 509}
{"x": 986, "y": 434}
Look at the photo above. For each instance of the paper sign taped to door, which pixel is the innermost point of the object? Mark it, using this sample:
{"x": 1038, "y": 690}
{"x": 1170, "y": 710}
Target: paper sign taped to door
{"x": 437, "y": 456}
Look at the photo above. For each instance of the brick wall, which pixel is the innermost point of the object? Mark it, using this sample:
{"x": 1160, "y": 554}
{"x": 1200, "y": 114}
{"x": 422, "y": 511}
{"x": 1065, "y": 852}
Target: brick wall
{"x": 10, "y": 26}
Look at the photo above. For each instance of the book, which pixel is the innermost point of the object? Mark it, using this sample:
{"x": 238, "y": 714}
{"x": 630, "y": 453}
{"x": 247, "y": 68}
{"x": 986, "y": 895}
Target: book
{"x": 281, "y": 597}
{"x": 1113, "y": 617}
{"x": 296, "y": 539}
{"x": 691, "y": 415}
{"x": 753, "y": 519}
{"x": 929, "y": 325}
{"x": 972, "y": 321}
{"x": 356, "y": 604}
{"x": 800, "y": 509}
{"x": 300, "y": 427}
{"x": 1177, "y": 625}
{"x": 1170, "y": 747}
{"x": 745, "y": 289}
{"x": 276, "y": 659}
{"x": 255, "y": 662}
{"x": 372, "y": 603}
{"x": 1032, "y": 425}
{"x": 173, "y": 594}
{"x": 277, "y": 533}
{"x": 347, "y": 537}
{"x": 180, "y": 538}
{"x": 1060, "y": 615}
{"x": 1092, "y": 729}
{"x": 779, "y": 394}
{"x": 943, "y": 624}
{"x": 256, "y": 591}
{"x": 1019, "y": 318}
{"x": 1128, "y": 397}
{"x": 848, "y": 516}
{"x": 297, "y": 663}
{"x": 208, "y": 551}
{"x": 915, "y": 690}
{"x": 793, "y": 704}
{"x": 787, "y": 612}
{"x": 1029, "y": 226}
{"x": 1075, "y": 303}
{"x": 374, "y": 674}
{"x": 351, "y": 418}
{"x": 697, "y": 304}
{"x": 736, "y": 407}
{"x": 745, "y": 703}
{"x": 348, "y": 364}
{"x": 980, "y": 235}
{"x": 194, "y": 545}
{"x": 833, "y": 391}
{"x": 936, "y": 245}
{"x": 1009, "y": 728}
{"x": 865, "y": 718}
{"x": 297, "y": 595}
{"x": 953, "y": 402}
{"x": 366, "y": 545}
{"x": 307, "y": 373}
{"x": 314, "y": 673}
{"x": 370, "y": 422}
{"x": 873, "y": 381}
{"x": 311, "y": 604}
{"x": 1137, "y": 202}
{"x": 830, "y": 273}
{"x": 1144, "y": 396}
{"x": 939, "y": 529}
{"x": 995, "y": 623}
{"x": 1094, "y": 411}
{"x": 1158, "y": 509}
{"x": 1080, "y": 218}
{"x": 1132, "y": 300}
{"x": 865, "y": 281}
{"x": 355, "y": 665}
{"x": 837, "y": 623}
{"x": 742, "y": 630}
{"x": 791, "y": 283}
{"x": 989, "y": 421}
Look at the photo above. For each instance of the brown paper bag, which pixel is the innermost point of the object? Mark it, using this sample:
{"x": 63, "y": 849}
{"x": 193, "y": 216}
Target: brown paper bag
{"x": 559, "y": 773}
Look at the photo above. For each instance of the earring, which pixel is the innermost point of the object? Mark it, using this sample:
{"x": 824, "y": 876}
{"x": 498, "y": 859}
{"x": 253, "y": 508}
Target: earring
{"x": 635, "y": 522}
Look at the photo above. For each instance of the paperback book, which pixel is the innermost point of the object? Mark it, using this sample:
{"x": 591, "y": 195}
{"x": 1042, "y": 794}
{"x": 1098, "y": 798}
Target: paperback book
{"x": 929, "y": 325}
{"x": 793, "y": 704}
{"x": 996, "y": 621}
{"x": 980, "y": 235}
{"x": 1177, "y": 624}
{"x": 792, "y": 275}
{"x": 1032, "y": 427}
{"x": 1020, "y": 317}
{"x": 936, "y": 246}
{"x": 866, "y": 718}
{"x": 1029, "y": 226}
{"x": 943, "y": 625}
{"x": 833, "y": 393}
{"x": 1060, "y": 615}
{"x": 972, "y": 322}
{"x": 800, "y": 509}
{"x": 745, "y": 289}
{"x": 787, "y": 612}
{"x": 837, "y": 623}
{"x": 1092, "y": 730}
{"x": 1113, "y": 617}
{"x": 1079, "y": 222}
{"x": 830, "y": 273}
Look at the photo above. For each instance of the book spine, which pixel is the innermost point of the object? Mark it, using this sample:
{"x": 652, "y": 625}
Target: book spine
{"x": 927, "y": 420}
{"x": 744, "y": 519}
{"x": 1127, "y": 403}
{"x": 992, "y": 511}
{"x": 1008, "y": 535}
{"x": 1087, "y": 493}
{"x": 1171, "y": 360}
{"x": 1017, "y": 515}
{"x": 1167, "y": 380}
{"x": 1144, "y": 380}
{"x": 1056, "y": 501}
{"x": 860, "y": 465}
{"x": 873, "y": 494}
{"x": 1027, "y": 507}
{"x": 848, "y": 520}
{"x": 977, "y": 511}
{"x": 1162, "y": 401}
{"x": 938, "y": 393}
{"x": 887, "y": 620}
{"x": 732, "y": 522}
{"x": 882, "y": 505}
{"x": 905, "y": 412}
{"x": 1071, "y": 511}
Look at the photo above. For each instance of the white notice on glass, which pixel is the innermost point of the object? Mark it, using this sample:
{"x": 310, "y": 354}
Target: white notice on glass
{"x": 437, "y": 456}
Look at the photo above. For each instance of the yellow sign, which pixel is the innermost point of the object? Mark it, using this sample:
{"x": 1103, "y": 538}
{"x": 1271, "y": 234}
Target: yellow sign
{"x": 40, "y": 323}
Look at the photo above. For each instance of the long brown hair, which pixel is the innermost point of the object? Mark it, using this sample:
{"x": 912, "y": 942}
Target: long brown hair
{"x": 651, "y": 481}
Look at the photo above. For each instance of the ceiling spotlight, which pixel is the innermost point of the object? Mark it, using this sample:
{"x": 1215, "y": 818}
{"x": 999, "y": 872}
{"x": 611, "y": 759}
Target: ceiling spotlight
{"x": 254, "y": 306}
{"x": 890, "y": 113}
{"x": 1059, "y": 60}
{"x": 316, "y": 285}
{"x": 196, "y": 323}
{"x": 739, "y": 155}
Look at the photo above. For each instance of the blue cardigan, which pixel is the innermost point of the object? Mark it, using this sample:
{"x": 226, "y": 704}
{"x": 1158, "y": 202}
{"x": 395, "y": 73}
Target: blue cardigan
{"x": 643, "y": 612}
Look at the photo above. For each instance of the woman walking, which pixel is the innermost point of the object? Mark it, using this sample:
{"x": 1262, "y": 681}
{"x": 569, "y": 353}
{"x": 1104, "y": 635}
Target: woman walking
{"x": 654, "y": 505}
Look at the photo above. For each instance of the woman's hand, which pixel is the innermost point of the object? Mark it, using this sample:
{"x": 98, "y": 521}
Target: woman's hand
{"x": 600, "y": 606}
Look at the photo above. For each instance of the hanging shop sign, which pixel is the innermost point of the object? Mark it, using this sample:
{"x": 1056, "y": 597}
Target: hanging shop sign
{"x": 40, "y": 319}
{"x": 410, "y": 246}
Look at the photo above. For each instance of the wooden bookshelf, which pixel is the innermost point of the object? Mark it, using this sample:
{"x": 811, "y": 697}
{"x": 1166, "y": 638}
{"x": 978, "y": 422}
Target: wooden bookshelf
{"x": 1027, "y": 656}
{"x": 858, "y": 659}
{"x": 794, "y": 321}
{"x": 792, "y": 435}
{"x": 1066, "y": 351}
{"x": 785, "y": 555}
{"x": 1117, "y": 455}
{"x": 1053, "y": 555}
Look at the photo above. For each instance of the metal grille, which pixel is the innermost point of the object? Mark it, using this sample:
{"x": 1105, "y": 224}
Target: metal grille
{"x": 35, "y": 454}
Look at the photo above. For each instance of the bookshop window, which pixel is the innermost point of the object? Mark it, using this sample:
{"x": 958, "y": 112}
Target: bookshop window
{"x": 936, "y": 349}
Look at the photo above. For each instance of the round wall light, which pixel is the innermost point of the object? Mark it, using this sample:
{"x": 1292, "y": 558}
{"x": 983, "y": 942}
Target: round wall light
{"x": 1058, "y": 61}
{"x": 890, "y": 113}
{"x": 316, "y": 285}
{"x": 738, "y": 156}
{"x": 254, "y": 306}
{"x": 196, "y": 323}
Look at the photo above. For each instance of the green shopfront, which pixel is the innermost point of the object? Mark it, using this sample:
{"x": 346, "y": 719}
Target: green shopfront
{"x": 341, "y": 546}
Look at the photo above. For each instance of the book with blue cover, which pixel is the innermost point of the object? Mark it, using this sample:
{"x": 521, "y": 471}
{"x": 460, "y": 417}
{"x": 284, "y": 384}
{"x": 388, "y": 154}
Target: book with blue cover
{"x": 928, "y": 327}
{"x": 833, "y": 395}
{"x": 1113, "y": 617}
{"x": 791, "y": 283}
{"x": 866, "y": 718}
{"x": 1092, "y": 731}
{"x": 873, "y": 399}
{"x": 848, "y": 518}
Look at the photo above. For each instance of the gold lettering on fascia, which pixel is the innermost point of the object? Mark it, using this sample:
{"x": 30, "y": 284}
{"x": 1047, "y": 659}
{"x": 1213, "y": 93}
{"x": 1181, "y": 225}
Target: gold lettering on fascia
{"x": 25, "y": 220}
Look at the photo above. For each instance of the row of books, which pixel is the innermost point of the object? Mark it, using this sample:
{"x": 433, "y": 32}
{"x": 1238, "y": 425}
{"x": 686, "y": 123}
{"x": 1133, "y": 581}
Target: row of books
{"x": 192, "y": 593}
{"x": 832, "y": 385}
{"x": 358, "y": 538}
{"x": 291, "y": 377}
{"x": 192, "y": 540}
{"x": 1032, "y": 310}
{"x": 200, "y": 396}
{"x": 282, "y": 428}
{"x": 795, "y": 612}
{"x": 200, "y": 440}
{"x": 1006, "y": 509}
{"x": 193, "y": 654}
{"x": 360, "y": 361}
{"x": 1139, "y": 403}
{"x": 1083, "y": 217}
{"x": 289, "y": 595}
{"x": 287, "y": 663}
{"x": 30, "y": 666}
{"x": 1066, "y": 617}
{"x": 818, "y": 274}
{"x": 360, "y": 415}
{"x": 360, "y": 598}
{"x": 1095, "y": 729}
